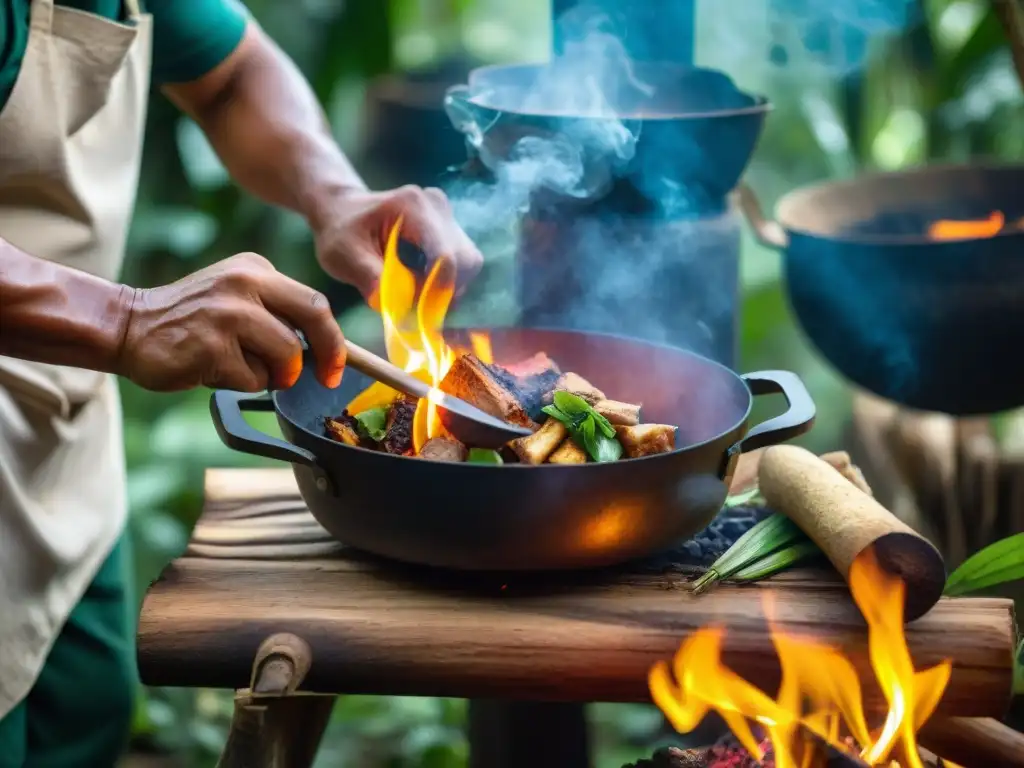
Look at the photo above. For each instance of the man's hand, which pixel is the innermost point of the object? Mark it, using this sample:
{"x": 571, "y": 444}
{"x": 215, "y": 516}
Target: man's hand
{"x": 229, "y": 326}
{"x": 352, "y": 231}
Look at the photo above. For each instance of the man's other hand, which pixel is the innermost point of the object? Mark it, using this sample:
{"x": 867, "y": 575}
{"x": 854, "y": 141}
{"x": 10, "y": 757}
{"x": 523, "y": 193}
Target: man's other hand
{"x": 352, "y": 232}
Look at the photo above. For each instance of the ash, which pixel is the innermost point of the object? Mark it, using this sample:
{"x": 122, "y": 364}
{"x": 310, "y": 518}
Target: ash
{"x": 708, "y": 545}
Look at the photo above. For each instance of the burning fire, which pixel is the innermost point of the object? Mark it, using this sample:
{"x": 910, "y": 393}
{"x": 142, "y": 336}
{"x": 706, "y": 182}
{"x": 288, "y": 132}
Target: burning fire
{"x": 950, "y": 229}
{"x": 413, "y": 320}
{"x": 820, "y": 693}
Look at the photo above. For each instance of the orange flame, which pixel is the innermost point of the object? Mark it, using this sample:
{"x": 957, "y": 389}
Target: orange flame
{"x": 820, "y": 692}
{"x": 412, "y": 335}
{"x": 949, "y": 229}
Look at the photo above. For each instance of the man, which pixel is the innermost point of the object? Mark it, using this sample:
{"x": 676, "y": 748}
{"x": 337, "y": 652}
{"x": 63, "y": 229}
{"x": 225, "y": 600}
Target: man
{"x": 74, "y": 81}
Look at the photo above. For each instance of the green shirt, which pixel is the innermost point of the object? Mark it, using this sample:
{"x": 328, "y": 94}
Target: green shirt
{"x": 190, "y": 37}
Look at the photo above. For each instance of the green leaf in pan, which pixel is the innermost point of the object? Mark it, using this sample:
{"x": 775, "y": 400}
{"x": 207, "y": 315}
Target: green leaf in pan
{"x": 606, "y": 448}
{"x": 576, "y": 407}
{"x": 571, "y": 422}
{"x": 372, "y": 423}
{"x": 588, "y": 428}
{"x": 997, "y": 563}
{"x": 483, "y": 456}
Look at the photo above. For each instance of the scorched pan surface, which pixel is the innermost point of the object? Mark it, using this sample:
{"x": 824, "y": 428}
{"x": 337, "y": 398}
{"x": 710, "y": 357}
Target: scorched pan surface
{"x": 513, "y": 517}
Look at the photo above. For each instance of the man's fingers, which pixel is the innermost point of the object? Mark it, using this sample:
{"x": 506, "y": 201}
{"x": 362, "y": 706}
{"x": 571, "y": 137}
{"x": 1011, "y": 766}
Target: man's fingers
{"x": 427, "y": 221}
{"x": 258, "y": 374}
{"x": 362, "y": 269}
{"x": 274, "y": 344}
{"x": 309, "y": 311}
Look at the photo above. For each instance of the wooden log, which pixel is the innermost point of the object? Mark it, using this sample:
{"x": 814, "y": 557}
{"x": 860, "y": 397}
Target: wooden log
{"x": 380, "y": 634}
{"x": 974, "y": 741}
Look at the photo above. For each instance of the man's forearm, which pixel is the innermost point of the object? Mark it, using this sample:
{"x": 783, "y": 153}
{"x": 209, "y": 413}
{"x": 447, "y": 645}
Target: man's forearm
{"x": 56, "y": 314}
{"x": 266, "y": 125}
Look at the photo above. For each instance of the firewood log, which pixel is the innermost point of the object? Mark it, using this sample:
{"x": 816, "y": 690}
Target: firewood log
{"x": 974, "y": 741}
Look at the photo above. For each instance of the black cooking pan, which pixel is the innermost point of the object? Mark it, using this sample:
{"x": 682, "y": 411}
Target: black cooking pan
{"x": 934, "y": 325}
{"x": 512, "y": 517}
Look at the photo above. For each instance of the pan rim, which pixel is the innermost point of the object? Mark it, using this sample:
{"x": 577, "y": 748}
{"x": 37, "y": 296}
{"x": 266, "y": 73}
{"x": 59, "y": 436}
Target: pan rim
{"x": 736, "y": 427}
{"x": 786, "y": 209}
{"x": 760, "y": 103}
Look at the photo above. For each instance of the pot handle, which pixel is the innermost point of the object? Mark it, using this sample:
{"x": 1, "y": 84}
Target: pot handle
{"x": 768, "y": 231}
{"x": 797, "y": 419}
{"x": 461, "y": 114}
{"x": 227, "y": 407}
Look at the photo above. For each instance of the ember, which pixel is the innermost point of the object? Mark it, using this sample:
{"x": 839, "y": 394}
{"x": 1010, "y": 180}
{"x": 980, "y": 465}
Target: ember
{"x": 572, "y": 420}
{"x": 819, "y": 701}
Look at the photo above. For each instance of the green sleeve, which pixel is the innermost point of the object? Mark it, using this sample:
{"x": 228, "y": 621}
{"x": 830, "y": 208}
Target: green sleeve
{"x": 191, "y": 37}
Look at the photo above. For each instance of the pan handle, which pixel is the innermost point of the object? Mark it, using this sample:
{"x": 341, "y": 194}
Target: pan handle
{"x": 227, "y": 407}
{"x": 797, "y": 419}
{"x": 768, "y": 231}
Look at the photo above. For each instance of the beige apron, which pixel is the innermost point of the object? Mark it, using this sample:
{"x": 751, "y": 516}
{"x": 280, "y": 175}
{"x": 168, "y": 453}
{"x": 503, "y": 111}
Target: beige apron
{"x": 70, "y": 146}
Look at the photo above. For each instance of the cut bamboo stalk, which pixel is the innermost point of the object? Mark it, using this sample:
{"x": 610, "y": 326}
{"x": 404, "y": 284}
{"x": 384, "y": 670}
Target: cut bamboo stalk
{"x": 844, "y": 522}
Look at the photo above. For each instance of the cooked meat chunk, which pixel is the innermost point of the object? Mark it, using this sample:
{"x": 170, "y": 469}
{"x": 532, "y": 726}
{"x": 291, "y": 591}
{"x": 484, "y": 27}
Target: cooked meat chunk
{"x": 626, "y": 414}
{"x": 528, "y": 382}
{"x": 470, "y": 380}
{"x": 536, "y": 448}
{"x": 343, "y": 430}
{"x": 646, "y": 439}
{"x": 443, "y": 449}
{"x": 568, "y": 453}
{"x": 398, "y": 434}
{"x": 538, "y": 364}
{"x": 574, "y": 384}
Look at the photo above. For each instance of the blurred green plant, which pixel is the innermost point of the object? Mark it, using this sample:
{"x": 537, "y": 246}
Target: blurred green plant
{"x": 943, "y": 90}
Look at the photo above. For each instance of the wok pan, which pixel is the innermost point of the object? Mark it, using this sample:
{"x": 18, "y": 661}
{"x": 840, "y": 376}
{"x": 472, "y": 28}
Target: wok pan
{"x": 511, "y": 518}
{"x": 933, "y": 325}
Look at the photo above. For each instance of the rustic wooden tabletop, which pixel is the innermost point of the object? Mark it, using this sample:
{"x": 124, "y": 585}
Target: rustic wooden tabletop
{"x": 259, "y": 564}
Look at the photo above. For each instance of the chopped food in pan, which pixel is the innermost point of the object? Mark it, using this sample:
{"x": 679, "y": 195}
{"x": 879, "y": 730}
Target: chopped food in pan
{"x": 573, "y": 422}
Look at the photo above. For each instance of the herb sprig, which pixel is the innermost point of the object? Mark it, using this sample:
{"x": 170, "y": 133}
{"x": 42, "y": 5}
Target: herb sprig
{"x": 372, "y": 423}
{"x": 591, "y": 431}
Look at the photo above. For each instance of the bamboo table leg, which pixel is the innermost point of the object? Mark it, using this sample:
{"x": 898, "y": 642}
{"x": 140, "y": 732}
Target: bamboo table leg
{"x": 511, "y": 734}
{"x": 275, "y": 725}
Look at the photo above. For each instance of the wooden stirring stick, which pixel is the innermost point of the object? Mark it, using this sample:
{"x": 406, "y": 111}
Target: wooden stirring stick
{"x": 468, "y": 423}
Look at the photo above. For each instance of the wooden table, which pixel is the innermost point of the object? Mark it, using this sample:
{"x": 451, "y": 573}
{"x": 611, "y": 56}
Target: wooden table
{"x": 258, "y": 565}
